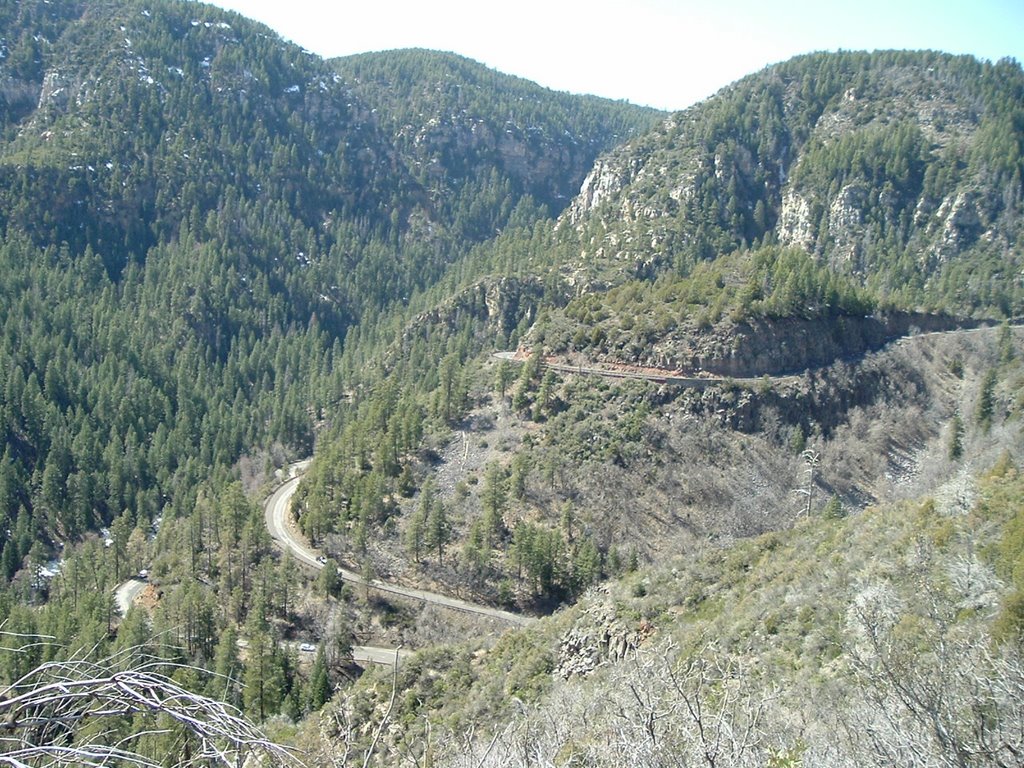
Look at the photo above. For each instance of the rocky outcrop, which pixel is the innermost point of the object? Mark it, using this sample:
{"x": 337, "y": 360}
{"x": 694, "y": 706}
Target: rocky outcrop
{"x": 791, "y": 345}
{"x": 58, "y": 92}
{"x": 795, "y": 226}
{"x": 613, "y": 175}
{"x": 19, "y": 96}
{"x": 845, "y": 226}
{"x": 598, "y": 638}
{"x": 508, "y": 302}
{"x": 497, "y": 306}
{"x": 960, "y": 225}
{"x": 549, "y": 167}
{"x": 878, "y": 164}
{"x": 601, "y": 184}
{"x": 55, "y": 91}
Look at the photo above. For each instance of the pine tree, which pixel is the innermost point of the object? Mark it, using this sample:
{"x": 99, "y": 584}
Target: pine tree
{"x": 503, "y": 377}
{"x": 414, "y": 535}
{"x": 227, "y": 667}
{"x": 438, "y": 531}
{"x": 986, "y": 401}
{"x": 319, "y": 682}
{"x": 494, "y": 498}
{"x": 119, "y": 532}
{"x": 956, "y": 438}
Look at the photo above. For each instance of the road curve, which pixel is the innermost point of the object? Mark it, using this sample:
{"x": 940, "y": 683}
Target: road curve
{"x": 281, "y": 527}
{"x": 126, "y": 593}
{"x": 276, "y": 513}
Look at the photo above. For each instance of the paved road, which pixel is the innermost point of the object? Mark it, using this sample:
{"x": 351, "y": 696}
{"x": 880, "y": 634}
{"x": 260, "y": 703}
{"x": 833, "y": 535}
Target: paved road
{"x": 368, "y": 654}
{"x": 126, "y": 593}
{"x": 281, "y": 526}
{"x": 645, "y": 374}
{"x": 674, "y": 377}
{"x": 361, "y": 654}
{"x": 276, "y": 511}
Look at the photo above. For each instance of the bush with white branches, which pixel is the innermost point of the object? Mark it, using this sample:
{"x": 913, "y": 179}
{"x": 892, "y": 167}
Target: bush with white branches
{"x": 72, "y": 713}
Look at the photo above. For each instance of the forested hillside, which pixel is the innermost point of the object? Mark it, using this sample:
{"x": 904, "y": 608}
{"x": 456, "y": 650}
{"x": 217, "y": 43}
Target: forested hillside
{"x": 194, "y": 214}
{"x": 649, "y": 267}
{"x": 902, "y": 169}
{"x": 683, "y": 255}
{"x": 471, "y": 134}
{"x": 196, "y": 217}
{"x": 769, "y": 332}
{"x": 862, "y": 640}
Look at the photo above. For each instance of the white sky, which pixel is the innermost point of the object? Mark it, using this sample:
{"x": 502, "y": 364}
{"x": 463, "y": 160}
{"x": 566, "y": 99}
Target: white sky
{"x": 663, "y": 53}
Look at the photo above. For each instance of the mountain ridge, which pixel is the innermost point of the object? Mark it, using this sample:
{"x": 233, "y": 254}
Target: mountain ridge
{"x": 696, "y": 184}
{"x": 221, "y": 252}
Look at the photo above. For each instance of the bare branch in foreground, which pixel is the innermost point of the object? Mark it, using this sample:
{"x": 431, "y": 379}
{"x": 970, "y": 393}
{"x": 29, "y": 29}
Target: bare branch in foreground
{"x": 44, "y": 714}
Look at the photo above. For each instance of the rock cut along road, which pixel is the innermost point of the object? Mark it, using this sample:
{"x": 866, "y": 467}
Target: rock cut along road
{"x": 282, "y": 529}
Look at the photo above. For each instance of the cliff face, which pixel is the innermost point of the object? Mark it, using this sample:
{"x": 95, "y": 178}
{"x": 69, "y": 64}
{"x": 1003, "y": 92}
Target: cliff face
{"x": 549, "y": 167}
{"x": 792, "y": 345}
{"x": 859, "y": 159}
{"x": 464, "y": 128}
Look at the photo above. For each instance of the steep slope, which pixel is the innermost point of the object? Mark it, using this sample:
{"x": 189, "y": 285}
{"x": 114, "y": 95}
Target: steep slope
{"x": 551, "y": 477}
{"x": 202, "y": 229}
{"x": 212, "y": 244}
{"x": 470, "y": 132}
{"x": 902, "y": 169}
{"x": 194, "y": 215}
{"x": 169, "y": 197}
{"x": 876, "y": 639}
{"x": 145, "y": 117}
{"x": 865, "y": 628}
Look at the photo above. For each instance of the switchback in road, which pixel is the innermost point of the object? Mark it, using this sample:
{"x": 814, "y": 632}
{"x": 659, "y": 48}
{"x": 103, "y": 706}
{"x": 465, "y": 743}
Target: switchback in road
{"x": 282, "y": 529}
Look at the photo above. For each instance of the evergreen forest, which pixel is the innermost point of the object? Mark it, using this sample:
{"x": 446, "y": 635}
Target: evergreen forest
{"x": 722, "y": 407}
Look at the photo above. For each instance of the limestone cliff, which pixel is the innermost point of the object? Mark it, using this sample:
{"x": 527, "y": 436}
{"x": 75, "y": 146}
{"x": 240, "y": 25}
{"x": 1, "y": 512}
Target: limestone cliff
{"x": 863, "y": 160}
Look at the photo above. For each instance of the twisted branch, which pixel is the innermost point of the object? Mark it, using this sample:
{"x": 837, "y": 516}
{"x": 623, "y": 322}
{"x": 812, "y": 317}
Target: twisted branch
{"x": 42, "y": 713}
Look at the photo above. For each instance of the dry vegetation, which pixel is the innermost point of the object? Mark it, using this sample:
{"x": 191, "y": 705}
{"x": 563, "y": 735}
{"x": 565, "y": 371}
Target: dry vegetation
{"x": 656, "y": 467}
{"x": 858, "y": 635}
{"x": 855, "y": 641}
{"x": 639, "y": 467}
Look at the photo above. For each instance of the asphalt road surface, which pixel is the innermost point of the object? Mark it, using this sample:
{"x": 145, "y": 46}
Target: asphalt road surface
{"x": 126, "y": 593}
{"x": 282, "y": 529}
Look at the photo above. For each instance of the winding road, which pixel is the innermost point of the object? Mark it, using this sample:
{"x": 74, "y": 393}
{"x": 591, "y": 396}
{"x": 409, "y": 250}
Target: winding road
{"x": 281, "y": 525}
{"x": 663, "y": 376}
{"x": 126, "y": 593}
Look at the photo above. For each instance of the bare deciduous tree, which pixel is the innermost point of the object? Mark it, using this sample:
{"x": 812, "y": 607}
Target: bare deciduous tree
{"x": 933, "y": 692}
{"x": 73, "y": 713}
{"x": 659, "y": 708}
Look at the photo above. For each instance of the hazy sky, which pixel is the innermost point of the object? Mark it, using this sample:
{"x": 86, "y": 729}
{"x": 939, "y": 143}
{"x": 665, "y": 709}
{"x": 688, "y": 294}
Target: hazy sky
{"x": 663, "y": 53}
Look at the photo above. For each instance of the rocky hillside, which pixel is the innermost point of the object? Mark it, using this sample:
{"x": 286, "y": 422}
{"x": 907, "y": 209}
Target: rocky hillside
{"x": 219, "y": 251}
{"x": 456, "y": 123}
{"x": 901, "y": 169}
{"x": 846, "y": 641}
{"x": 676, "y": 256}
